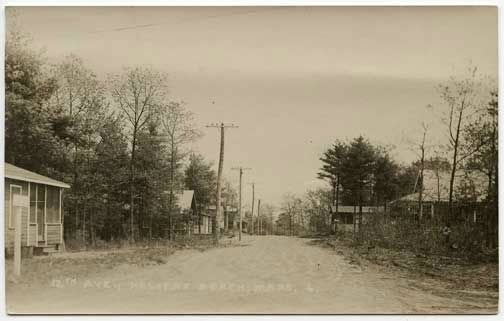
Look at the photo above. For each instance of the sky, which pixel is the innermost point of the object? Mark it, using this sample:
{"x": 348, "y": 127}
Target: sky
{"x": 293, "y": 79}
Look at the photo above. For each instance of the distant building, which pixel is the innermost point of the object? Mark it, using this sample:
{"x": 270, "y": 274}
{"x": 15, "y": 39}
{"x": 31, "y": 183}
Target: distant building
{"x": 468, "y": 186}
{"x": 185, "y": 202}
{"x": 348, "y": 215}
{"x": 190, "y": 220}
{"x": 231, "y": 217}
{"x": 470, "y": 189}
{"x": 228, "y": 217}
{"x": 204, "y": 221}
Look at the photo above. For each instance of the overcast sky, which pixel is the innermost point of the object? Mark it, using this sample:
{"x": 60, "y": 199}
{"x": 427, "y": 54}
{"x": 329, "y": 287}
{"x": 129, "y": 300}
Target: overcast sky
{"x": 293, "y": 79}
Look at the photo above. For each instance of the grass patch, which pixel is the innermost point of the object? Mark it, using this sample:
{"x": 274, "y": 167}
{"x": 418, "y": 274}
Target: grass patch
{"x": 80, "y": 264}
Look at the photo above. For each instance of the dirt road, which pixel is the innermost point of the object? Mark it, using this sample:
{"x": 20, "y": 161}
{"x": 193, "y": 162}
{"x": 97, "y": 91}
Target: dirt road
{"x": 268, "y": 274}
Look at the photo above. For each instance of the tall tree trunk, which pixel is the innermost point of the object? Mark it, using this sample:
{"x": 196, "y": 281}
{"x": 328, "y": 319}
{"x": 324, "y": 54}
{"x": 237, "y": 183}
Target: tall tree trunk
{"x": 74, "y": 189}
{"x": 495, "y": 201}
{"x": 290, "y": 224}
{"x": 171, "y": 200}
{"x": 92, "y": 228}
{"x": 360, "y": 213}
{"x": 354, "y": 219}
{"x": 438, "y": 185}
{"x": 422, "y": 166}
{"x": 84, "y": 240}
{"x": 337, "y": 192}
{"x": 493, "y": 192}
{"x": 132, "y": 184}
{"x": 455, "y": 161}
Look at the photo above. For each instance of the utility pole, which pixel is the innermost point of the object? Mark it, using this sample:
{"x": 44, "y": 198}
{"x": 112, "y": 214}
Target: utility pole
{"x": 241, "y": 169}
{"x": 259, "y": 215}
{"x": 215, "y": 227}
{"x": 252, "y": 213}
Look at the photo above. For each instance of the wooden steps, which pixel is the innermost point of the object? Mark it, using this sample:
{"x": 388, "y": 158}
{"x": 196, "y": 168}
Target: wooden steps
{"x": 43, "y": 249}
{"x": 50, "y": 249}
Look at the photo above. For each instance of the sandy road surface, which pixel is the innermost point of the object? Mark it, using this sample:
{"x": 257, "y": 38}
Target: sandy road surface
{"x": 268, "y": 274}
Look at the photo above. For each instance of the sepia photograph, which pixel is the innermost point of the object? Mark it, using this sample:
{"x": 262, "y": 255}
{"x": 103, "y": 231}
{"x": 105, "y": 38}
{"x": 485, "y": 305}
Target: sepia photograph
{"x": 251, "y": 160}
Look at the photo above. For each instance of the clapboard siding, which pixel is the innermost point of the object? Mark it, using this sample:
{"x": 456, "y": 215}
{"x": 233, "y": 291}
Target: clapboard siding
{"x": 9, "y": 232}
{"x": 53, "y": 233}
{"x": 205, "y": 226}
{"x": 9, "y": 240}
{"x": 29, "y": 233}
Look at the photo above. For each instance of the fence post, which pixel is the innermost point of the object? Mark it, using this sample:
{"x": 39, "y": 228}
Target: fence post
{"x": 17, "y": 241}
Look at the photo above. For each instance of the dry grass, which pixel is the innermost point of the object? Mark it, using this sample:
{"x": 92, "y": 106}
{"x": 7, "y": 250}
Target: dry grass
{"x": 42, "y": 269}
{"x": 454, "y": 273}
{"x": 475, "y": 284}
{"x": 467, "y": 240}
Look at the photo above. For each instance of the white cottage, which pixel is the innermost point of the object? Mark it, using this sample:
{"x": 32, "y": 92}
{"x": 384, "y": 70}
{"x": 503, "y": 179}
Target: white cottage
{"x": 42, "y": 215}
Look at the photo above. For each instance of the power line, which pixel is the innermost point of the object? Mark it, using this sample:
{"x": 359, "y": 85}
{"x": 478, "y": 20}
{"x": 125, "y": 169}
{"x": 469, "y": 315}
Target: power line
{"x": 180, "y": 21}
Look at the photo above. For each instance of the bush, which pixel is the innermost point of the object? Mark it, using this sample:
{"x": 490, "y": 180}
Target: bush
{"x": 425, "y": 236}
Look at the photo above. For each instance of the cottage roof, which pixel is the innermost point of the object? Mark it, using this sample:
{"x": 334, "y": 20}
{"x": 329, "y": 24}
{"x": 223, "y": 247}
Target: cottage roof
{"x": 352, "y": 209}
{"x": 14, "y": 172}
{"x": 436, "y": 186}
{"x": 184, "y": 199}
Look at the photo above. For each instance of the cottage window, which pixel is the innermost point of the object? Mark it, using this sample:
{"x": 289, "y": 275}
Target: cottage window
{"x": 14, "y": 189}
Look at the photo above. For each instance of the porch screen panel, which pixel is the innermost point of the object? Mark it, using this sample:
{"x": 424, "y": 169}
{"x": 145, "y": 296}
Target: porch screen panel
{"x": 53, "y": 204}
{"x": 40, "y": 204}
{"x": 33, "y": 202}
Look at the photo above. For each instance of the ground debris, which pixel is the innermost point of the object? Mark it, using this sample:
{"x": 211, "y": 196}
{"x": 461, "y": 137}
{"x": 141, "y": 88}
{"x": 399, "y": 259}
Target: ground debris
{"x": 452, "y": 273}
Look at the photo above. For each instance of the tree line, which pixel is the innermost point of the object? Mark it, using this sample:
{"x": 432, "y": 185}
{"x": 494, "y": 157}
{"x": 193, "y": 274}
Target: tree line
{"x": 120, "y": 142}
{"x": 358, "y": 173}
{"x": 361, "y": 174}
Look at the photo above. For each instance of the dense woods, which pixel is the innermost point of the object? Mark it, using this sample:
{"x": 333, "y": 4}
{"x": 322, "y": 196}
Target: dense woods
{"x": 120, "y": 142}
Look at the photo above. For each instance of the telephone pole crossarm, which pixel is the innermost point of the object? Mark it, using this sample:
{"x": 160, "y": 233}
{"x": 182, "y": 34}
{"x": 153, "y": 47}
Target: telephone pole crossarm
{"x": 221, "y": 125}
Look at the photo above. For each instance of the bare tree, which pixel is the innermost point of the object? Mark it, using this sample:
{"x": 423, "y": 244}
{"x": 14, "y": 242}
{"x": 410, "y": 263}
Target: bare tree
{"x": 422, "y": 168}
{"x": 484, "y": 129}
{"x": 420, "y": 147}
{"x": 179, "y": 129}
{"x": 291, "y": 206}
{"x": 460, "y": 98}
{"x": 138, "y": 92}
{"x": 78, "y": 93}
{"x": 315, "y": 207}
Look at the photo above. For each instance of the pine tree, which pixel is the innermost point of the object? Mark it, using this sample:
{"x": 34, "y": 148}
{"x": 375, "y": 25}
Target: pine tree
{"x": 201, "y": 178}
